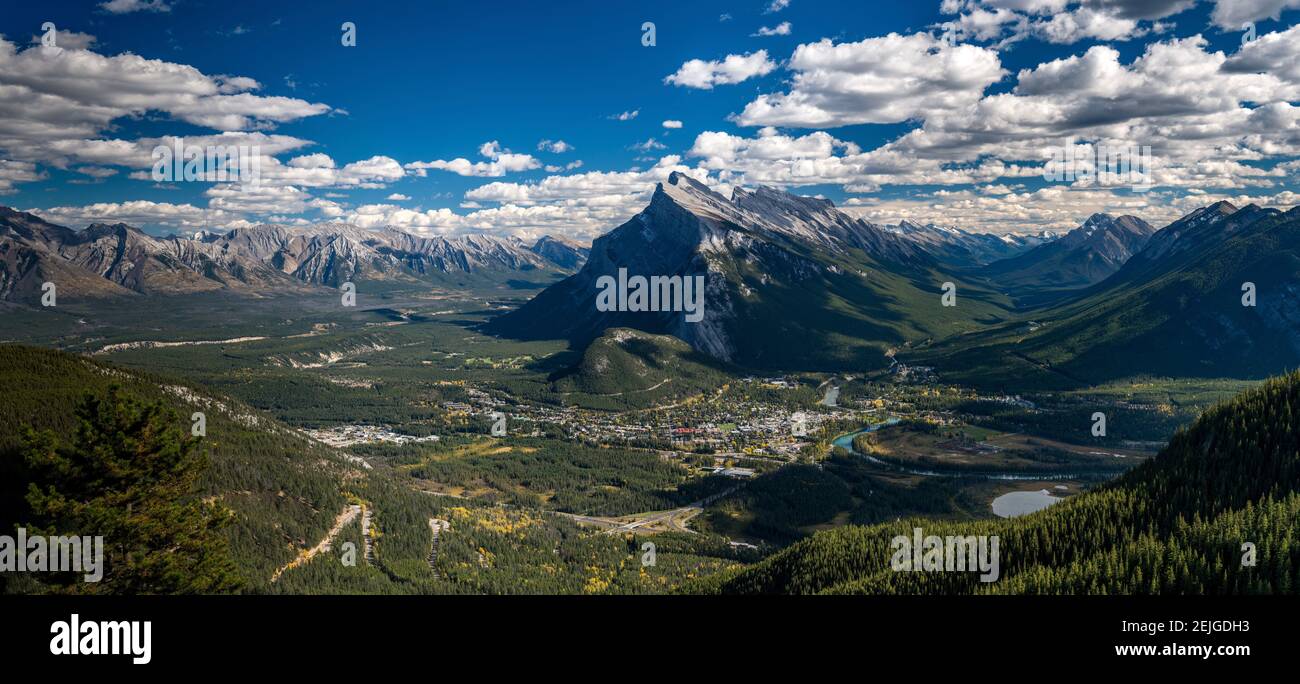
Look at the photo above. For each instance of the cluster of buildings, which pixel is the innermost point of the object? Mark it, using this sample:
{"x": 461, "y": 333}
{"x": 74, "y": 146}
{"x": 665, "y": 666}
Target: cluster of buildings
{"x": 348, "y": 435}
{"x": 742, "y": 420}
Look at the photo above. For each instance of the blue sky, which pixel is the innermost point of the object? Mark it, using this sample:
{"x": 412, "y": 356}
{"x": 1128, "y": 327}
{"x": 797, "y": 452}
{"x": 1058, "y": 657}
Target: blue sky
{"x": 432, "y": 82}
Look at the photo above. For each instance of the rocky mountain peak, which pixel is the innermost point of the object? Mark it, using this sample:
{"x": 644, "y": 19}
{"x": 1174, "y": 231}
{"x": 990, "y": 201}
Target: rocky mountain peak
{"x": 1105, "y": 231}
{"x": 787, "y": 210}
{"x": 693, "y": 196}
{"x": 1098, "y": 218}
{"x": 1207, "y": 225}
{"x": 121, "y": 231}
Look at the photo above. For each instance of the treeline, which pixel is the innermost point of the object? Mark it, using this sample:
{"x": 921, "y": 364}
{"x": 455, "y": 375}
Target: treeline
{"x": 1177, "y": 524}
{"x": 1073, "y": 422}
{"x": 779, "y": 507}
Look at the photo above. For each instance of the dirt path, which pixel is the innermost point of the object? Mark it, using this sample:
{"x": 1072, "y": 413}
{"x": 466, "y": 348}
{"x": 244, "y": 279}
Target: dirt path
{"x": 437, "y": 527}
{"x": 652, "y": 388}
{"x": 348, "y": 515}
{"x": 1043, "y": 365}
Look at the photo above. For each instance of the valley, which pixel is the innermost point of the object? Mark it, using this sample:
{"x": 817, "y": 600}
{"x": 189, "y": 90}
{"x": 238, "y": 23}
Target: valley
{"x": 387, "y": 327}
{"x": 548, "y": 460}
{"x": 402, "y": 394}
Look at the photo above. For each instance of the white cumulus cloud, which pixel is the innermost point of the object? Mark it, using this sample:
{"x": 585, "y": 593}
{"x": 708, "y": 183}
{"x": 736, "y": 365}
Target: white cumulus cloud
{"x": 781, "y": 29}
{"x": 698, "y": 73}
{"x": 500, "y": 162}
{"x": 889, "y": 79}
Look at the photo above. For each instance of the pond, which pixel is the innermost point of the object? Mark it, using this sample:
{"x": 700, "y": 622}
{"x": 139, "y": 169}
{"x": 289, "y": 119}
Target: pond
{"x": 1012, "y": 504}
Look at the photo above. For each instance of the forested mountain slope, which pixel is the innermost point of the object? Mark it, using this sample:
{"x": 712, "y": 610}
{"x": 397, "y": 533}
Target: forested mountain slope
{"x": 1178, "y": 308}
{"x": 283, "y": 489}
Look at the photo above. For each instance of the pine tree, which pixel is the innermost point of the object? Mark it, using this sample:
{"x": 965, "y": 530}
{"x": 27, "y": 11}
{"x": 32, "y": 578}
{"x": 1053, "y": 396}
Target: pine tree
{"x": 130, "y": 476}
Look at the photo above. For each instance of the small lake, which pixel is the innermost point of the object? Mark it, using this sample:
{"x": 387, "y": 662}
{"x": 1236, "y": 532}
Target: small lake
{"x": 1012, "y": 504}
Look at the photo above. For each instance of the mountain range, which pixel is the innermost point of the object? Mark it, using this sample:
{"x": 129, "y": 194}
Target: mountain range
{"x": 118, "y": 259}
{"x": 1179, "y": 307}
{"x": 1084, "y": 256}
{"x": 793, "y": 282}
{"x": 789, "y": 281}
{"x": 964, "y": 248}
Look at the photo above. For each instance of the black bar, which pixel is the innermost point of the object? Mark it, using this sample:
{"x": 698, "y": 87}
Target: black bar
{"x": 351, "y": 633}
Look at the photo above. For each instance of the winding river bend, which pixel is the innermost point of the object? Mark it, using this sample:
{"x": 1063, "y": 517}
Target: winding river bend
{"x": 845, "y": 441}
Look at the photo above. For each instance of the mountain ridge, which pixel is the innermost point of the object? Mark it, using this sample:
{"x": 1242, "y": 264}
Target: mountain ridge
{"x": 1175, "y": 309}
{"x": 965, "y": 248}
{"x": 117, "y": 259}
{"x": 1086, "y": 255}
{"x": 776, "y": 266}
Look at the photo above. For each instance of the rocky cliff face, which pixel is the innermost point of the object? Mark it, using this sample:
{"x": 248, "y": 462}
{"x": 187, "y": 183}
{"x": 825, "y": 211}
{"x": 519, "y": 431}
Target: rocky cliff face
{"x": 671, "y": 237}
{"x": 770, "y": 261}
{"x": 29, "y": 258}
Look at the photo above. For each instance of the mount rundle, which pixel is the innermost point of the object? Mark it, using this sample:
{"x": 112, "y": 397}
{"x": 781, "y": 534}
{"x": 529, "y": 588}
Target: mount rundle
{"x": 776, "y": 267}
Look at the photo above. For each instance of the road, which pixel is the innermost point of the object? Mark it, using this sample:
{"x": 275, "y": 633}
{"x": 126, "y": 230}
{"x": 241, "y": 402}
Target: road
{"x": 348, "y": 515}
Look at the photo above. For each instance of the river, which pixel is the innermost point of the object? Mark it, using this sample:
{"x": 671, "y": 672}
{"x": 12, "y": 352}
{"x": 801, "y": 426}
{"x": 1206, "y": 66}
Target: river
{"x": 845, "y": 442}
